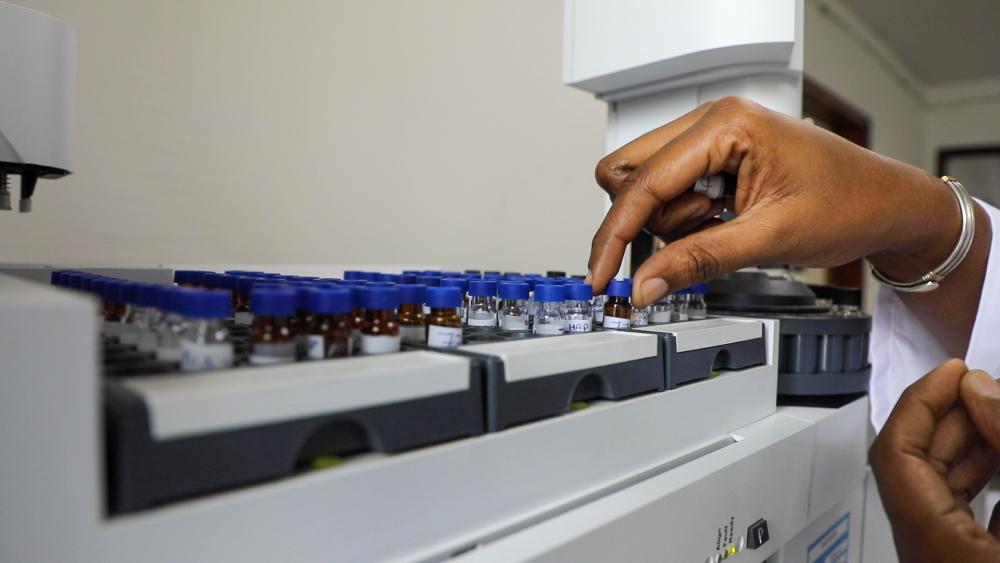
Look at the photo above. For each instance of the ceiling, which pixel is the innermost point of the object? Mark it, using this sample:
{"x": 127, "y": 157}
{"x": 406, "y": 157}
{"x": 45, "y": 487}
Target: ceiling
{"x": 939, "y": 40}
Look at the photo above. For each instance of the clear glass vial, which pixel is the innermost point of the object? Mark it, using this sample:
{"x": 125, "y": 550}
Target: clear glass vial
{"x": 662, "y": 311}
{"x": 444, "y": 325}
{"x": 205, "y": 342}
{"x": 463, "y": 285}
{"x": 618, "y": 306}
{"x": 697, "y": 308}
{"x": 513, "y": 313}
{"x": 579, "y": 316}
{"x": 482, "y": 310}
{"x": 679, "y": 302}
{"x": 549, "y": 317}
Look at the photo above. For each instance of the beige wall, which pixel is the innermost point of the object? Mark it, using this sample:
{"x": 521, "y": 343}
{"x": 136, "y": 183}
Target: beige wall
{"x": 233, "y": 131}
{"x": 962, "y": 125}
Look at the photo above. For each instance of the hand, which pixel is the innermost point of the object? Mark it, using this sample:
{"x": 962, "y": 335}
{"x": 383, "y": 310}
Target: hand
{"x": 938, "y": 449}
{"x": 804, "y": 196}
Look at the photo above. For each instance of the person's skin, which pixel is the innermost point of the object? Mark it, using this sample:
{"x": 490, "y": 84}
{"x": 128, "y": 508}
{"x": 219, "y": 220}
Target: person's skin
{"x": 939, "y": 448}
{"x": 804, "y": 196}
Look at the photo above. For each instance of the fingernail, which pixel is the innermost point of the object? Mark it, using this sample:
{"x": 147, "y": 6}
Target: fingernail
{"x": 982, "y": 384}
{"x": 653, "y": 289}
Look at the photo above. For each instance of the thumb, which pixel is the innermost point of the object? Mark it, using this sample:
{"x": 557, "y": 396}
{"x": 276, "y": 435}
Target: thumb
{"x": 980, "y": 395}
{"x": 704, "y": 255}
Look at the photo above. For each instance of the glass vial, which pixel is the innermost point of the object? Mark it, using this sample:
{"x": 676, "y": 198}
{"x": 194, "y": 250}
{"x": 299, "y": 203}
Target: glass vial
{"x": 579, "y": 316}
{"x": 412, "y": 321}
{"x": 549, "y": 318}
{"x": 697, "y": 308}
{"x": 444, "y": 325}
{"x": 380, "y": 329}
{"x": 205, "y": 343}
{"x": 272, "y": 340}
{"x": 171, "y": 326}
{"x": 640, "y": 317}
{"x": 618, "y": 306}
{"x": 482, "y": 310}
{"x": 329, "y": 332}
{"x": 679, "y": 302}
{"x": 513, "y": 311}
{"x": 463, "y": 285}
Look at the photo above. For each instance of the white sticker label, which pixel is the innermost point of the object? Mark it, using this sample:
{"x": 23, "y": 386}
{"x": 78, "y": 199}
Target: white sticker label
{"x": 599, "y": 314}
{"x": 579, "y": 325}
{"x": 488, "y": 321}
{"x": 243, "y": 318}
{"x": 614, "y": 322}
{"x": 413, "y": 334}
{"x": 550, "y": 328}
{"x": 640, "y": 318}
{"x": 265, "y": 354}
{"x": 427, "y": 309}
{"x": 372, "y": 344}
{"x": 195, "y": 357}
{"x": 660, "y": 317}
{"x": 511, "y": 322}
{"x": 169, "y": 354}
{"x": 444, "y": 336}
{"x": 315, "y": 347}
{"x": 679, "y": 317}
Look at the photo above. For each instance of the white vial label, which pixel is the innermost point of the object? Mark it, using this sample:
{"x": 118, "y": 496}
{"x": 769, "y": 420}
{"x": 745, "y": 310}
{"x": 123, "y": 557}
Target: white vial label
{"x": 444, "y": 336}
{"x": 413, "y": 334}
{"x": 599, "y": 314}
{"x": 243, "y": 318}
{"x": 640, "y": 318}
{"x": 579, "y": 325}
{"x": 266, "y": 354}
{"x": 372, "y": 344}
{"x": 679, "y": 317}
{"x": 427, "y": 309}
{"x": 488, "y": 321}
{"x": 195, "y": 357}
{"x": 660, "y": 317}
{"x": 615, "y": 322}
{"x": 549, "y": 328}
{"x": 512, "y": 322}
{"x": 169, "y": 354}
{"x": 315, "y": 347}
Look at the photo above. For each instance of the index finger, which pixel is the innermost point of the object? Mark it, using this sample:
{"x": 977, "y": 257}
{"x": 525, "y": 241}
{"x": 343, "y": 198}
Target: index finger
{"x": 613, "y": 170}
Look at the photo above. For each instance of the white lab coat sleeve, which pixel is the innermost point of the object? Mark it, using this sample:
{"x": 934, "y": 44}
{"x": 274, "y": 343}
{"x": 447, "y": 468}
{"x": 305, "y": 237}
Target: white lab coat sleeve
{"x": 903, "y": 350}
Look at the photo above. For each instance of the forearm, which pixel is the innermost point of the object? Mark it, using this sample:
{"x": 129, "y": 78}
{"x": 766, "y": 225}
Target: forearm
{"x": 948, "y": 313}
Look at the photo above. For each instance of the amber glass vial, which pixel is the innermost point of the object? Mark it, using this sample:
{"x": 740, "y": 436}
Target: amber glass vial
{"x": 329, "y": 334}
{"x": 412, "y": 322}
{"x": 618, "y": 308}
{"x": 444, "y": 325}
{"x": 380, "y": 327}
{"x": 272, "y": 339}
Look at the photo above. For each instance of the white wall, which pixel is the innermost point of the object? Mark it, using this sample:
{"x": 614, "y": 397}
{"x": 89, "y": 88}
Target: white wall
{"x": 962, "y": 124}
{"x": 232, "y": 131}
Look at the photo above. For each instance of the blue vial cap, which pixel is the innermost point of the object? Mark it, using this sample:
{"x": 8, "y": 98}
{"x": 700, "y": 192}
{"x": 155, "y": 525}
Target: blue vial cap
{"x": 411, "y": 293}
{"x": 378, "y": 297}
{"x": 409, "y": 278}
{"x": 619, "y": 288}
{"x": 273, "y": 301}
{"x": 514, "y": 290}
{"x": 189, "y": 276}
{"x": 699, "y": 289}
{"x": 547, "y": 293}
{"x": 412, "y": 272}
{"x": 55, "y": 277}
{"x": 437, "y": 273}
{"x": 494, "y": 277}
{"x": 355, "y": 290}
{"x": 148, "y": 295}
{"x": 328, "y": 301}
{"x": 429, "y": 281}
{"x": 369, "y": 276}
{"x": 511, "y": 275}
{"x": 129, "y": 293}
{"x": 112, "y": 290}
{"x": 203, "y": 303}
{"x": 97, "y": 286}
{"x": 483, "y": 288}
{"x": 452, "y": 274}
{"x": 444, "y": 297}
{"x": 87, "y": 281}
{"x": 243, "y": 272}
{"x": 579, "y": 291}
{"x": 394, "y": 278}
{"x": 460, "y": 283}
{"x": 72, "y": 279}
{"x": 352, "y": 274}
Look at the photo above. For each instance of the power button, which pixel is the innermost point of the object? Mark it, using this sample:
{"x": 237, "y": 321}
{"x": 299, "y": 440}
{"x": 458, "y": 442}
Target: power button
{"x": 757, "y": 534}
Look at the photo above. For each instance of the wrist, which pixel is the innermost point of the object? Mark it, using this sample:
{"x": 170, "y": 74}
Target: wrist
{"x": 926, "y": 227}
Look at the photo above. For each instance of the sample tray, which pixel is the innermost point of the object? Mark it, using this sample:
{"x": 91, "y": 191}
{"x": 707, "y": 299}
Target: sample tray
{"x": 693, "y": 349}
{"x": 528, "y": 377}
{"x": 178, "y": 436}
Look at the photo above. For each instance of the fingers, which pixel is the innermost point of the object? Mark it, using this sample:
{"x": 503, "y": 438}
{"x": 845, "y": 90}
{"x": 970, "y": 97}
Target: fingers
{"x": 981, "y": 398}
{"x": 702, "y": 149}
{"x": 703, "y": 255}
{"x": 684, "y": 210}
{"x": 994, "y": 528}
{"x": 614, "y": 169}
